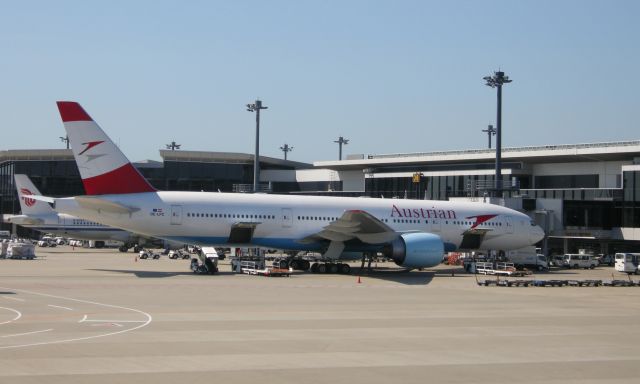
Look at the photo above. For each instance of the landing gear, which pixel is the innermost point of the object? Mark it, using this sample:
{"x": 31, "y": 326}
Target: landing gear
{"x": 299, "y": 265}
{"x": 333, "y": 268}
{"x": 365, "y": 256}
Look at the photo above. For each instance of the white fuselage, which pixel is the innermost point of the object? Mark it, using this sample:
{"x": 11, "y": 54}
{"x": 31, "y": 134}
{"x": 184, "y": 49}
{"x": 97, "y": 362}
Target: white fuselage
{"x": 281, "y": 221}
{"x": 61, "y": 224}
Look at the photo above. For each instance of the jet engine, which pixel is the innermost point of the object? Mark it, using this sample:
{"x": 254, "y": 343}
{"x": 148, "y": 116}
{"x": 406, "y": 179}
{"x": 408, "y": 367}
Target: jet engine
{"x": 416, "y": 250}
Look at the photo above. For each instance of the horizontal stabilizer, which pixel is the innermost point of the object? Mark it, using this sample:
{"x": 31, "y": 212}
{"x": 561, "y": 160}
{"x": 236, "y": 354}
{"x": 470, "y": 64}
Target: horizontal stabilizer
{"x": 46, "y": 199}
{"x": 23, "y": 220}
{"x": 104, "y": 205}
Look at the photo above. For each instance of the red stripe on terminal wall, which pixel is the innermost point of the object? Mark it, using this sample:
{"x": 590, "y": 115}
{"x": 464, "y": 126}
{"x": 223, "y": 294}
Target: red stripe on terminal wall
{"x": 125, "y": 179}
{"x": 72, "y": 111}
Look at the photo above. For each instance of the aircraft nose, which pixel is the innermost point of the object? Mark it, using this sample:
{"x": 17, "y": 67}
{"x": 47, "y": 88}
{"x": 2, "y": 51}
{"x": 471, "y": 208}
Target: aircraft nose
{"x": 536, "y": 234}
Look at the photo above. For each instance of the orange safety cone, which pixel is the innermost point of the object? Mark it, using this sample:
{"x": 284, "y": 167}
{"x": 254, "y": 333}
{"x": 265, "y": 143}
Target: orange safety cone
{"x": 359, "y": 281}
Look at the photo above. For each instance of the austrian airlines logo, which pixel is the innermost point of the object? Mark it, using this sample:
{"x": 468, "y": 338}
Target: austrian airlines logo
{"x": 480, "y": 219}
{"x": 90, "y": 145}
{"x": 27, "y": 201}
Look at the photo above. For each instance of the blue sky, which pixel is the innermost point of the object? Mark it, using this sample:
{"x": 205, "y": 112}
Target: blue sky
{"x": 391, "y": 76}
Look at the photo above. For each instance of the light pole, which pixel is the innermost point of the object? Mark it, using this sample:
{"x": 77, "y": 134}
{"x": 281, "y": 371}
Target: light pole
{"x": 286, "y": 148}
{"x": 256, "y": 107}
{"x": 173, "y": 146}
{"x": 496, "y": 81}
{"x": 65, "y": 139}
{"x": 341, "y": 140}
{"x": 490, "y": 131}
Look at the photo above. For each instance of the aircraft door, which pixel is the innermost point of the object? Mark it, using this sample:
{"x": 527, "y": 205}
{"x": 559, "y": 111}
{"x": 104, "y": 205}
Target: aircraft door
{"x": 287, "y": 218}
{"x": 176, "y": 214}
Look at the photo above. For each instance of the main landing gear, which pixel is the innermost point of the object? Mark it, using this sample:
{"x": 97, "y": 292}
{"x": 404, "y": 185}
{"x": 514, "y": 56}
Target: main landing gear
{"x": 367, "y": 256}
{"x": 316, "y": 267}
{"x": 125, "y": 248}
{"x": 332, "y": 268}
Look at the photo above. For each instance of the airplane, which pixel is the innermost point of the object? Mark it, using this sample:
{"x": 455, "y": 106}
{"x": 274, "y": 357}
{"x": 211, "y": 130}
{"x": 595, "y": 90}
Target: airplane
{"x": 415, "y": 234}
{"x": 41, "y": 217}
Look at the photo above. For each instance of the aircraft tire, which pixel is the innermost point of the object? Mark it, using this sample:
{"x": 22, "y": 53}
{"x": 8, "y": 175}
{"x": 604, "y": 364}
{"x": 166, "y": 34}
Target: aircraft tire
{"x": 332, "y": 268}
{"x": 322, "y": 268}
{"x": 123, "y": 248}
{"x": 345, "y": 269}
{"x": 305, "y": 265}
{"x": 295, "y": 264}
{"x": 314, "y": 268}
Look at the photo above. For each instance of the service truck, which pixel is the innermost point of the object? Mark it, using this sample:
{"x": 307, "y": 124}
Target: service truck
{"x": 528, "y": 258}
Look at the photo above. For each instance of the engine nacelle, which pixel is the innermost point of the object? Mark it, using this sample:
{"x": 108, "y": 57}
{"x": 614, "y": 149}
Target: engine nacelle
{"x": 416, "y": 250}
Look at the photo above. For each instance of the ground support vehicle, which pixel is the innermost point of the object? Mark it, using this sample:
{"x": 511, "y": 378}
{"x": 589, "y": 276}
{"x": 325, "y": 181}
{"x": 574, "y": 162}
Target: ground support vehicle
{"x": 628, "y": 263}
{"x": 500, "y": 269}
{"x": 148, "y": 254}
{"x": 528, "y": 258}
{"x": 573, "y": 260}
{"x": 207, "y": 261}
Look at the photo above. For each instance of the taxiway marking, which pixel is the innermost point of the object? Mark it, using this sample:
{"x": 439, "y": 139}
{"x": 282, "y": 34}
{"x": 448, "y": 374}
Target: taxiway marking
{"x": 61, "y": 307}
{"x": 143, "y": 323}
{"x": 19, "y": 315}
{"x": 28, "y": 333}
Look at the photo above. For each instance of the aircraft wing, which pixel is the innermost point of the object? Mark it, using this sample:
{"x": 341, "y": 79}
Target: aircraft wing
{"x": 355, "y": 225}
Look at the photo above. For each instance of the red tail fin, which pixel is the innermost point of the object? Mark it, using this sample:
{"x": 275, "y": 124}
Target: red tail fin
{"x": 103, "y": 167}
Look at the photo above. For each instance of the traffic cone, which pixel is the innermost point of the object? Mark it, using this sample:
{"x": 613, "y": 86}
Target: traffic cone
{"x": 359, "y": 281}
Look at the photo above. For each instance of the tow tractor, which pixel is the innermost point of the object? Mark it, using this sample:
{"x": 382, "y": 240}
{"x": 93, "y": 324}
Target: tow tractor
{"x": 178, "y": 254}
{"x": 148, "y": 254}
{"x": 207, "y": 261}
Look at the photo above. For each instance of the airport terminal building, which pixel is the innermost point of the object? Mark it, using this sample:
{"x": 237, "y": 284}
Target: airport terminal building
{"x": 586, "y": 196}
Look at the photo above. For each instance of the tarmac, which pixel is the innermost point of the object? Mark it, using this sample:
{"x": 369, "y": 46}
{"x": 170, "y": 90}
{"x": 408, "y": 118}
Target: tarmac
{"x": 100, "y": 316}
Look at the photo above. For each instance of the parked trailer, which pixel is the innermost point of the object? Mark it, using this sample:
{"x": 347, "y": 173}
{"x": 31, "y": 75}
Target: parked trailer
{"x": 500, "y": 269}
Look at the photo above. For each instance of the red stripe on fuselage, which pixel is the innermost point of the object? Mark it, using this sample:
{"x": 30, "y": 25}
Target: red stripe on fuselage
{"x": 72, "y": 111}
{"x": 480, "y": 219}
{"x": 125, "y": 179}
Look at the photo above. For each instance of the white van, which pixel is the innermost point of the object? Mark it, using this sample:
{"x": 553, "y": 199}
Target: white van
{"x": 627, "y": 262}
{"x": 575, "y": 260}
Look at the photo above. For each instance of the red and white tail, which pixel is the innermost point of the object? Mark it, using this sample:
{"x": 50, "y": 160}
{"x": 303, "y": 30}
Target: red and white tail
{"x": 103, "y": 167}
